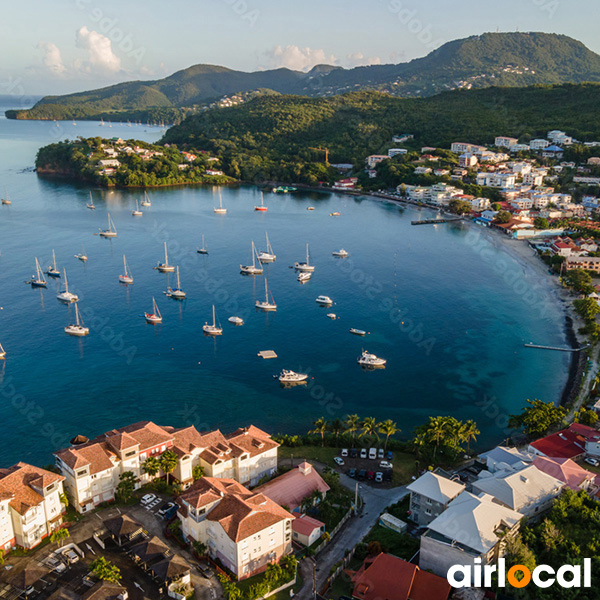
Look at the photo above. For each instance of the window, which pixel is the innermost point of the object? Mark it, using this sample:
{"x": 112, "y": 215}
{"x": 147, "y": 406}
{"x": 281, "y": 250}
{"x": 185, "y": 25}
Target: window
{"x": 272, "y": 543}
{"x": 427, "y": 512}
{"x": 163, "y": 448}
{"x": 128, "y": 454}
{"x": 287, "y": 537}
{"x": 50, "y": 487}
{"x": 81, "y": 473}
{"x": 272, "y": 531}
{"x": 429, "y": 501}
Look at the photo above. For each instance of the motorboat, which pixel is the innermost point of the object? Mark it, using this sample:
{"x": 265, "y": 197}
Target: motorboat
{"x": 370, "y": 360}
{"x": 340, "y": 253}
{"x": 325, "y": 300}
{"x": 82, "y": 256}
{"x": 303, "y": 277}
{"x": 165, "y": 267}
{"x": 78, "y": 329}
{"x": 305, "y": 266}
{"x": 335, "y": 214}
{"x": 292, "y": 377}
{"x": 332, "y": 316}
{"x": 358, "y": 332}
{"x": 236, "y": 320}
{"x": 66, "y": 296}
{"x": 310, "y": 208}
{"x": 2, "y": 353}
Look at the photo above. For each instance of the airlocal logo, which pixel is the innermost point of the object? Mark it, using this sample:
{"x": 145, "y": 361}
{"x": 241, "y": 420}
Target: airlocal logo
{"x": 543, "y": 576}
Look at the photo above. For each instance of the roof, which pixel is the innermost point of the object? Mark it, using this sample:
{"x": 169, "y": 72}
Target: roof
{"x": 291, "y": 488}
{"x": 151, "y": 549}
{"x": 170, "y": 568}
{"x": 19, "y": 482}
{"x": 305, "y": 525}
{"x": 568, "y": 443}
{"x": 208, "y": 490}
{"x": 438, "y": 488}
{"x": 104, "y": 590}
{"x": 473, "y": 521}
{"x": 507, "y": 456}
{"x": 122, "y": 525}
{"x": 565, "y": 470}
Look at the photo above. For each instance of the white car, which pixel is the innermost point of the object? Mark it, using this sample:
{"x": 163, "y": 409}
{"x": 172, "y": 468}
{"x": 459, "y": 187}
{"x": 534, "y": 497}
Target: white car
{"x": 363, "y": 453}
{"x": 372, "y": 453}
{"x": 148, "y": 498}
{"x": 339, "y": 461}
{"x": 384, "y": 464}
{"x": 344, "y": 452}
{"x": 380, "y": 453}
{"x": 379, "y": 477}
{"x": 592, "y": 461}
{"x": 71, "y": 555}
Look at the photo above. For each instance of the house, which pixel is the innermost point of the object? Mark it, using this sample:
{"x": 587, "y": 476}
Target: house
{"x": 391, "y": 578}
{"x": 430, "y": 496}
{"x": 588, "y": 263}
{"x": 397, "y": 151}
{"x": 505, "y": 142}
{"x": 244, "y": 530}
{"x": 189, "y": 157}
{"x": 553, "y": 152}
{"x": 468, "y": 161}
{"x": 520, "y": 148}
{"x": 306, "y": 530}
{"x": 423, "y": 171}
{"x": 497, "y": 180}
{"x": 538, "y": 144}
{"x": 500, "y": 458}
{"x": 214, "y": 172}
{"x": 292, "y": 488}
{"x": 472, "y": 527}
{"x": 346, "y": 184}
{"x": 565, "y": 247}
{"x": 560, "y": 137}
{"x": 373, "y": 160}
{"x": 480, "y": 204}
{"x": 109, "y": 162}
{"x": 441, "y": 172}
{"x": 570, "y": 473}
{"x": 462, "y": 148}
{"x": 534, "y": 179}
{"x": 568, "y": 443}
{"x": 403, "y": 137}
{"x": 30, "y": 505}
{"x": 594, "y": 161}
{"x": 527, "y": 490}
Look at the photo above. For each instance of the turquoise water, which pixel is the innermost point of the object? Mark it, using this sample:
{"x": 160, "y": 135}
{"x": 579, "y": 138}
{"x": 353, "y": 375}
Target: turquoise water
{"x": 455, "y": 348}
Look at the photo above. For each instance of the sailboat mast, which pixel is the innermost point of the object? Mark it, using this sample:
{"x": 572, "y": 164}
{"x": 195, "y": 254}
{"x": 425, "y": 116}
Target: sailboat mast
{"x": 53, "y": 259}
{"x": 166, "y": 256}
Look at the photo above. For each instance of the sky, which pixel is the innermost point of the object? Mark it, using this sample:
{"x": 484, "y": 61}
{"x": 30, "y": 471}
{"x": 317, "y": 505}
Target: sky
{"x": 62, "y": 46}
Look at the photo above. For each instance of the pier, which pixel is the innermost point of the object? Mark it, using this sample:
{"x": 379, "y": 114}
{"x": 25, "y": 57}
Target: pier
{"x": 436, "y": 221}
{"x": 556, "y": 349}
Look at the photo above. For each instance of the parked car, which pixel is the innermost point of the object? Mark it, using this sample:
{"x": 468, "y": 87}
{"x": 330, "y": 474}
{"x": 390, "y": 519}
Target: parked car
{"x": 204, "y": 570}
{"x": 362, "y": 474}
{"x": 166, "y": 508}
{"x": 363, "y": 453}
{"x": 380, "y": 453}
{"x": 390, "y": 455}
{"x": 371, "y": 475}
{"x": 344, "y": 452}
{"x": 338, "y": 461}
{"x": 592, "y": 461}
{"x": 387, "y": 475}
{"x": 384, "y": 464}
{"x": 378, "y": 477}
{"x": 353, "y": 453}
{"x": 71, "y": 555}
{"x": 148, "y": 498}
{"x": 352, "y": 473}
{"x": 372, "y": 452}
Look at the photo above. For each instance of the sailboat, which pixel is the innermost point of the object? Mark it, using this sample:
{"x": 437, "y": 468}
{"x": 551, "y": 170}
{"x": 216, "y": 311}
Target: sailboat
{"x": 111, "y": 232}
{"x": 146, "y": 200}
{"x": 305, "y": 267}
{"x": 266, "y": 305}
{"x": 176, "y": 293}
{"x": 38, "y": 280}
{"x": 252, "y": 269}
{"x": 6, "y": 201}
{"x": 268, "y": 255}
{"x": 127, "y": 277}
{"x": 78, "y": 329}
{"x": 165, "y": 267}
{"x": 2, "y": 353}
{"x": 261, "y": 207}
{"x": 204, "y": 249}
{"x": 67, "y": 297}
{"x": 137, "y": 212}
{"x": 101, "y": 122}
{"x": 220, "y": 210}
{"x": 91, "y": 204}
{"x": 82, "y": 256}
{"x": 52, "y": 270}
{"x": 212, "y": 329}
{"x": 154, "y": 317}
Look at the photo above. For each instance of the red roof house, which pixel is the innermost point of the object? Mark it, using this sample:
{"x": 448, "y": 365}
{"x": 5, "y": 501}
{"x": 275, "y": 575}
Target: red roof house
{"x": 569, "y": 472}
{"x": 568, "y": 443}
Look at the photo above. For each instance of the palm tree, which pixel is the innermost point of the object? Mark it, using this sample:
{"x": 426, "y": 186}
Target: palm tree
{"x": 321, "y": 427}
{"x": 151, "y": 466}
{"x": 437, "y": 429}
{"x": 388, "y": 428}
{"x": 468, "y": 433}
{"x": 352, "y": 423}
{"x": 168, "y": 462}
{"x": 370, "y": 427}
{"x": 59, "y": 536}
{"x": 336, "y": 427}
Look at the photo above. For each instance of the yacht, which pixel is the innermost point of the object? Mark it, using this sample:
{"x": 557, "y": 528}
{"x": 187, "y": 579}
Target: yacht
{"x": 291, "y": 377}
{"x": 303, "y": 277}
{"x": 267, "y": 305}
{"x": 127, "y": 277}
{"x": 78, "y": 328}
{"x": 165, "y": 267}
{"x": 82, "y": 256}
{"x": 325, "y": 300}
{"x": 268, "y": 255}
{"x": 261, "y": 207}
{"x": 305, "y": 266}
{"x": 67, "y": 297}
{"x": 236, "y": 320}
{"x": 370, "y": 360}
{"x": 340, "y": 253}
{"x": 212, "y": 329}
{"x": 220, "y": 210}
{"x": 177, "y": 292}
{"x": 111, "y": 232}
{"x": 37, "y": 280}
{"x": 154, "y": 317}
{"x": 252, "y": 269}
{"x": 91, "y": 204}
{"x": 146, "y": 200}
{"x": 52, "y": 270}
{"x": 332, "y": 316}
{"x": 137, "y": 212}
{"x": 204, "y": 249}
{"x": 357, "y": 332}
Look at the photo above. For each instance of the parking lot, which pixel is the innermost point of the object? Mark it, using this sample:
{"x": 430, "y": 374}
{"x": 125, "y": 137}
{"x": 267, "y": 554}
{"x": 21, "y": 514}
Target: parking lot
{"x": 372, "y": 465}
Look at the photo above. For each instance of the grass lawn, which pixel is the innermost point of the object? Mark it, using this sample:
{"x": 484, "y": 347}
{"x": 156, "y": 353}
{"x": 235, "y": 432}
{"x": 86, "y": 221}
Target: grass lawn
{"x": 400, "y": 544}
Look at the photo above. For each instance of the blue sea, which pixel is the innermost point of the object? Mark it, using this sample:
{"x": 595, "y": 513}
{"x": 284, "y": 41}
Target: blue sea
{"x": 449, "y": 310}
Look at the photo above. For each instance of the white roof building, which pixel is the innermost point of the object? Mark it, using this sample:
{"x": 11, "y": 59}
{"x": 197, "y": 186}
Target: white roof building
{"x": 436, "y": 487}
{"x": 500, "y": 458}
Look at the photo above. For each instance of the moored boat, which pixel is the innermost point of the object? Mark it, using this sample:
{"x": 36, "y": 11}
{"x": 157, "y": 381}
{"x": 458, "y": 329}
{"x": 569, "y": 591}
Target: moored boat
{"x": 213, "y": 329}
{"x": 236, "y": 320}
{"x": 111, "y": 232}
{"x": 287, "y": 376}
{"x": 268, "y": 304}
{"x": 38, "y": 280}
{"x": 127, "y": 277}
{"x": 324, "y": 300}
{"x": 252, "y": 269}
{"x": 268, "y": 255}
{"x": 165, "y": 267}
{"x": 340, "y": 253}
{"x": 154, "y": 317}
{"x": 77, "y": 329}
{"x": 66, "y": 296}
{"x": 305, "y": 266}
{"x": 358, "y": 332}
{"x": 370, "y": 360}
{"x": 52, "y": 270}
{"x": 176, "y": 293}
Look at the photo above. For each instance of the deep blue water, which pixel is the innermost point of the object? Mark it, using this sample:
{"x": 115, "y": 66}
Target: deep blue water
{"x": 456, "y": 348}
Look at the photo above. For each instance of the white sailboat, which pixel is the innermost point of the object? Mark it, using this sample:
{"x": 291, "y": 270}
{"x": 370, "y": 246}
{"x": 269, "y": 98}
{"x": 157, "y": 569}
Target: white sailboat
{"x": 220, "y": 210}
{"x": 67, "y": 297}
{"x": 146, "y": 200}
{"x": 212, "y": 329}
{"x": 6, "y": 200}
{"x": 267, "y": 305}
{"x": 127, "y": 277}
{"x": 268, "y": 255}
{"x": 37, "y": 280}
{"x": 111, "y": 232}
{"x": 177, "y": 292}
{"x": 82, "y": 256}
{"x": 204, "y": 249}
{"x": 91, "y": 204}
{"x": 165, "y": 267}
{"x": 78, "y": 329}
{"x": 52, "y": 270}
{"x": 153, "y": 317}
{"x": 2, "y": 353}
{"x": 137, "y": 212}
{"x": 305, "y": 267}
{"x": 252, "y": 269}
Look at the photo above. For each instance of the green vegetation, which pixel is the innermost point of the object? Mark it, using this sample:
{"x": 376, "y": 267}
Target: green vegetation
{"x": 580, "y": 281}
{"x": 441, "y": 438}
{"x": 58, "y": 536}
{"x": 276, "y": 575}
{"x": 105, "y": 570}
{"x": 126, "y": 486}
{"x": 539, "y": 418}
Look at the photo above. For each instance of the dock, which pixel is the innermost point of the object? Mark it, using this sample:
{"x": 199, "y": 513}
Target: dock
{"x": 556, "y": 349}
{"x": 267, "y": 354}
{"x": 436, "y": 221}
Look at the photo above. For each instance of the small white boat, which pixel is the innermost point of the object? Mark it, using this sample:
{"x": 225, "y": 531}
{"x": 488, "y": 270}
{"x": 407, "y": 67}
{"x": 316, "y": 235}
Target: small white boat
{"x": 310, "y": 208}
{"x": 111, "y": 232}
{"x": 220, "y": 210}
{"x": 340, "y": 253}
{"x": 370, "y": 360}
{"x": 38, "y": 280}
{"x": 292, "y": 377}
{"x": 177, "y": 292}
{"x": 146, "y": 200}
{"x": 2, "y": 353}
{"x": 268, "y": 255}
{"x": 67, "y": 297}
{"x": 358, "y": 332}
{"x": 324, "y": 300}
{"x": 303, "y": 277}
{"x": 82, "y": 256}
{"x": 213, "y": 329}
{"x": 252, "y": 269}
{"x": 236, "y": 320}
{"x": 153, "y": 317}
{"x": 335, "y": 214}
{"x": 332, "y": 316}
{"x": 261, "y": 207}
{"x": 127, "y": 277}
{"x": 78, "y": 329}
{"x": 267, "y": 305}
{"x": 304, "y": 266}
{"x": 204, "y": 249}
{"x": 165, "y": 267}
{"x": 52, "y": 270}
{"x": 137, "y": 212}
{"x": 91, "y": 204}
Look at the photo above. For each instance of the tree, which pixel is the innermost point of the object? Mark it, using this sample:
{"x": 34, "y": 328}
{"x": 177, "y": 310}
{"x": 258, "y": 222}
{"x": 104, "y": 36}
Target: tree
{"x": 336, "y": 427}
{"x": 105, "y": 570}
{"x": 58, "y": 536}
{"x": 388, "y": 428}
{"x": 496, "y": 206}
{"x": 168, "y": 462}
{"x": 541, "y": 223}
{"x": 126, "y": 486}
{"x": 580, "y": 281}
{"x": 538, "y": 418}
{"x": 352, "y": 423}
{"x": 518, "y": 553}
{"x": 587, "y": 417}
{"x": 200, "y": 548}
{"x": 502, "y": 217}
{"x": 587, "y": 308}
{"x": 64, "y": 499}
{"x": 459, "y": 207}
{"x": 438, "y": 430}
{"x": 151, "y": 466}
{"x": 1, "y": 556}
{"x": 321, "y": 427}
{"x": 370, "y": 427}
{"x": 468, "y": 433}
{"x": 197, "y": 472}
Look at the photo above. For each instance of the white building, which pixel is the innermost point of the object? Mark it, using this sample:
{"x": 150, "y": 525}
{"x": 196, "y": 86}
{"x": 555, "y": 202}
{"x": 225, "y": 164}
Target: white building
{"x": 396, "y": 151}
{"x": 480, "y": 204}
{"x": 505, "y": 142}
{"x": 538, "y": 144}
{"x": 112, "y": 163}
{"x": 373, "y": 160}
{"x": 430, "y": 496}
{"x": 497, "y": 180}
{"x": 464, "y": 148}
{"x": 468, "y": 160}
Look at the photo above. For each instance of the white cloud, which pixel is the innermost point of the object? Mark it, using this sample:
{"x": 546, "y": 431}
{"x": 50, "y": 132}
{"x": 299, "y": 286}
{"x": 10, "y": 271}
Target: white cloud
{"x": 101, "y": 57}
{"x": 52, "y": 58}
{"x": 358, "y": 59}
{"x": 298, "y": 59}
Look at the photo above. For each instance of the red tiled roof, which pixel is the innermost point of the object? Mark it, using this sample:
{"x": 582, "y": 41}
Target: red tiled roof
{"x": 305, "y": 525}
{"x": 565, "y": 470}
{"x": 568, "y": 443}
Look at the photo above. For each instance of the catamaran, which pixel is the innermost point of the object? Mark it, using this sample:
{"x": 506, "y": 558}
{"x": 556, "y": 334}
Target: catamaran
{"x": 220, "y": 210}
{"x": 78, "y": 329}
{"x": 268, "y": 255}
{"x": 261, "y": 207}
{"x": 154, "y": 317}
{"x": 212, "y": 329}
{"x": 146, "y": 200}
{"x": 52, "y": 270}
{"x": 165, "y": 267}
{"x": 91, "y": 204}
{"x": 177, "y": 292}
{"x": 37, "y": 280}
{"x": 82, "y": 256}
{"x": 204, "y": 249}
{"x": 252, "y": 269}
{"x": 137, "y": 212}
{"x": 127, "y": 277}
{"x": 370, "y": 360}
{"x": 305, "y": 266}
{"x": 111, "y": 232}
{"x": 266, "y": 305}
{"x": 67, "y": 297}
{"x": 2, "y": 353}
